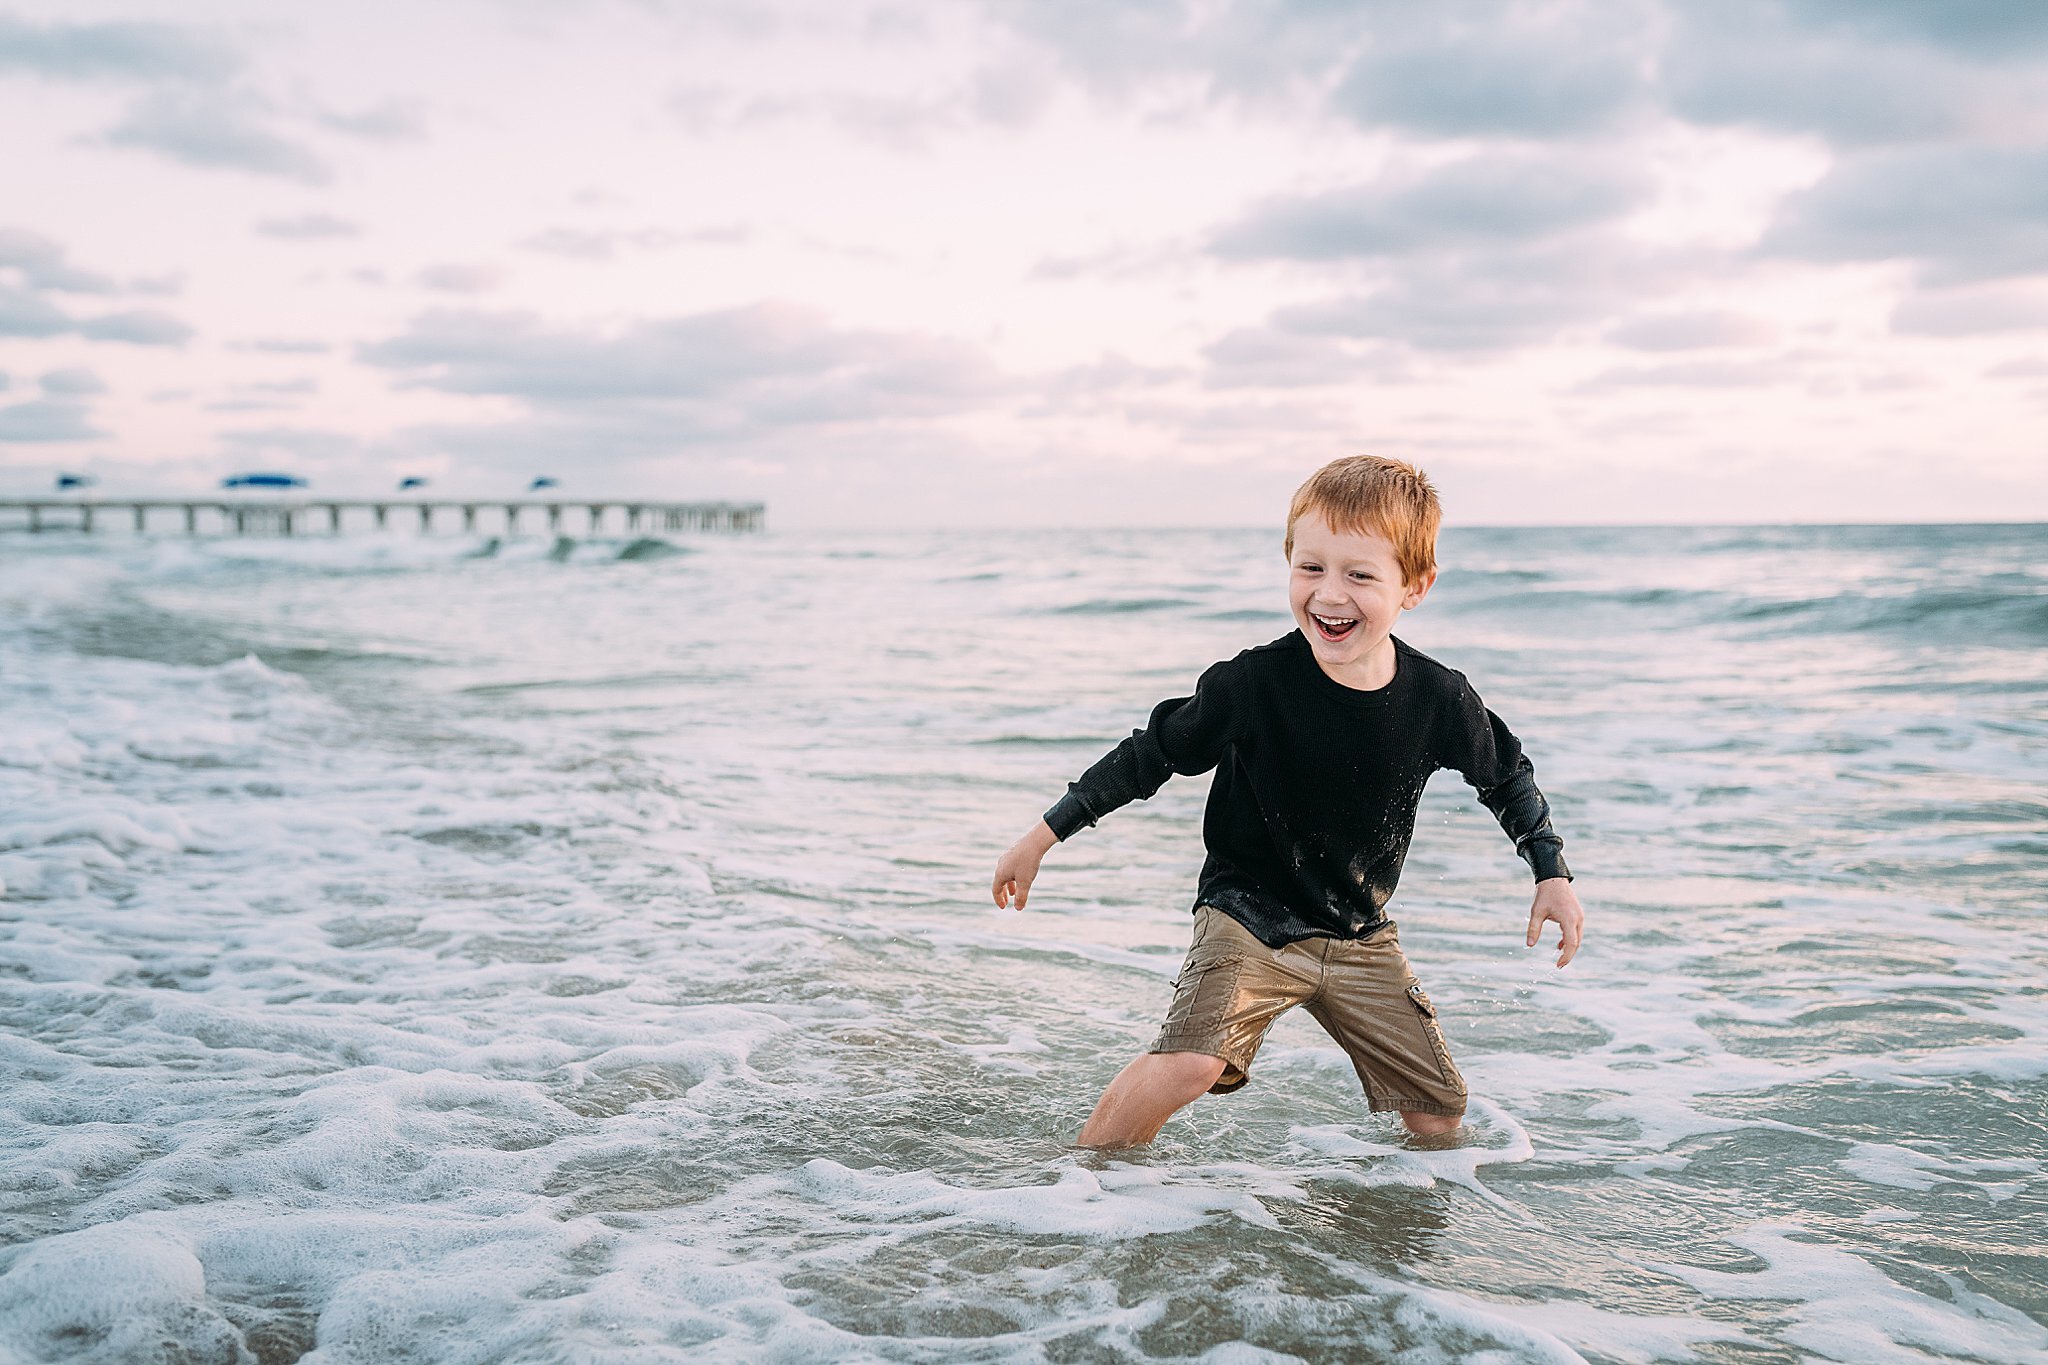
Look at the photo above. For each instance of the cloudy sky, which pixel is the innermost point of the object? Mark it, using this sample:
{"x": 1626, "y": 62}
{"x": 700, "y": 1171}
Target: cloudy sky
{"x": 1010, "y": 262}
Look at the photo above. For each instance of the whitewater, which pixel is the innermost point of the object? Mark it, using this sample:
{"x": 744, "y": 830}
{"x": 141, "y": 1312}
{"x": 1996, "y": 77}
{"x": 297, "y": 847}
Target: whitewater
{"x": 433, "y": 948}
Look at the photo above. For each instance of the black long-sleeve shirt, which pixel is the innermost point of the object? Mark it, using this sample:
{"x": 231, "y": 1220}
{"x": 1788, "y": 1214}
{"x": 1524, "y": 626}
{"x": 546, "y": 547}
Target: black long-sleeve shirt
{"x": 1317, "y": 784}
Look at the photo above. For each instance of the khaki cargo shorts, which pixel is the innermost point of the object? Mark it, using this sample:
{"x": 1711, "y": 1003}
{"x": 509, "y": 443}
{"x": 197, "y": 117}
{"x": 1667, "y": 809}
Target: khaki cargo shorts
{"x": 1233, "y": 987}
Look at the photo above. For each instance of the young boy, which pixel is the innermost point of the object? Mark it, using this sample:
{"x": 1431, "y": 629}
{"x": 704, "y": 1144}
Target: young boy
{"x": 1322, "y": 741}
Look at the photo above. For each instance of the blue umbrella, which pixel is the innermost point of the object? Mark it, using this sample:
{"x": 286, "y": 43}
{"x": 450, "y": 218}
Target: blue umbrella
{"x": 542, "y": 482}
{"x": 76, "y": 481}
{"x": 263, "y": 481}
{"x": 413, "y": 482}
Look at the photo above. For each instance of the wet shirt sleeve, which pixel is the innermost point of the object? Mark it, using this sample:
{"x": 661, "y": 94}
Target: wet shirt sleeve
{"x": 1480, "y": 747}
{"x": 1185, "y": 735}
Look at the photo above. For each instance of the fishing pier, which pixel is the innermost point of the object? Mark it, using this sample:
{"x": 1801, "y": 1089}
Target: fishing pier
{"x": 332, "y": 516}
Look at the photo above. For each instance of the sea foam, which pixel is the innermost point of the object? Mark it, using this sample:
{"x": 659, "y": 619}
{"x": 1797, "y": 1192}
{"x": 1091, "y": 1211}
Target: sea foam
{"x": 561, "y": 954}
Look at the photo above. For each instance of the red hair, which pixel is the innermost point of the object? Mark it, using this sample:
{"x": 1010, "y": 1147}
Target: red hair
{"x": 1375, "y": 495}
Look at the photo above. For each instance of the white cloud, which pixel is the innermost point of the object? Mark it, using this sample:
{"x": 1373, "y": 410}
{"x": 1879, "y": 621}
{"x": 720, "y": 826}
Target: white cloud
{"x": 42, "y": 264}
{"x": 308, "y": 227}
{"x": 394, "y": 120}
{"x": 1498, "y": 300}
{"x": 115, "y": 51}
{"x": 24, "y": 313}
{"x": 73, "y": 381}
{"x": 456, "y": 278}
{"x": 712, "y": 374}
{"x": 1750, "y": 63}
{"x": 1694, "y": 374}
{"x": 1972, "y": 312}
{"x": 286, "y": 346}
{"x": 137, "y": 326}
{"x": 1489, "y": 201}
{"x": 1572, "y": 72}
{"x": 1958, "y": 213}
{"x": 1690, "y": 331}
{"x": 215, "y": 130}
{"x": 1985, "y": 30}
{"x": 1267, "y": 357}
{"x": 586, "y": 244}
{"x": 47, "y": 420}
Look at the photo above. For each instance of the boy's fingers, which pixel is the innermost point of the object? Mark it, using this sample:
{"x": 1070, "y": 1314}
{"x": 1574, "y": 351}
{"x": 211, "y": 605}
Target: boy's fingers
{"x": 1535, "y": 927}
{"x": 1568, "y": 939}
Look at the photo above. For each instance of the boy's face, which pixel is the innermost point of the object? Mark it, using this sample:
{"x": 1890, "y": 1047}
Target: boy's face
{"x": 1346, "y": 591}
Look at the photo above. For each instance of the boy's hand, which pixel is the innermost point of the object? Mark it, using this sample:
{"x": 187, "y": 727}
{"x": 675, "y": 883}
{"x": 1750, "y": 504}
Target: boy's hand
{"x": 1556, "y": 900}
{"x": 1016, "y": 869}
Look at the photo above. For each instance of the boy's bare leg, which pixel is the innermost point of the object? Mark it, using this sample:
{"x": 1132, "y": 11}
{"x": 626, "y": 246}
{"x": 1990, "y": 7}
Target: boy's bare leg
{"x": 1431, "y": 1125}
{"x": 1145, "y": 1095}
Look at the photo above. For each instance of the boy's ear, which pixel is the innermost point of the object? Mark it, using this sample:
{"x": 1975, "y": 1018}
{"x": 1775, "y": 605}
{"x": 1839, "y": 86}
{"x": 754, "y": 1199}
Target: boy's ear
{"x": 1417, "y": 590}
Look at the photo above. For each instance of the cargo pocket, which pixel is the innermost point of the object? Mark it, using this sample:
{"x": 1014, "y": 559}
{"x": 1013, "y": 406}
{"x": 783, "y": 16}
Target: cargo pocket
{"x": 1203, "y": 991}
{"x": 1435, "y": 1033}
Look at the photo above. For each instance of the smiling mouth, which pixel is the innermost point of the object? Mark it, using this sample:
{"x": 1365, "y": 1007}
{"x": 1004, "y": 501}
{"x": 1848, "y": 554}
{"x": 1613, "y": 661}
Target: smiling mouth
{"x": 1334, "y": 627}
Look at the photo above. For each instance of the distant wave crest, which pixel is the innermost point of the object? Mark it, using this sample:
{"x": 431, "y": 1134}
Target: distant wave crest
{"x": 1119, "y": 606}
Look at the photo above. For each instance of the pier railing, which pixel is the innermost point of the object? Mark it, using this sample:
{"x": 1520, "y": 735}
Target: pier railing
{"x": 290, "y": 516}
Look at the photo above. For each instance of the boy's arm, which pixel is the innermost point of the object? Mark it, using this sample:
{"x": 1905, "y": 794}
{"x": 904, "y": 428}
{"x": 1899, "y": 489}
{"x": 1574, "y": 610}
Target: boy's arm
{"x": 1519, "y": 806}
{"x": 1491, "y": 759}
{"x": 1184, "y": 735}
{"x": 1524, "y": 816}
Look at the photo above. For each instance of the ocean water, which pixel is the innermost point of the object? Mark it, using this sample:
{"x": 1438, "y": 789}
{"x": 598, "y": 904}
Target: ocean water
{"x": 413, "y": 953}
